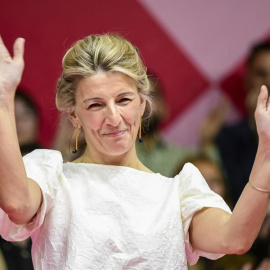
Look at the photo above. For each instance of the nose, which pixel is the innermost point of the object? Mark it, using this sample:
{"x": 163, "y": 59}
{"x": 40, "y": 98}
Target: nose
{"x": 113, "y": 116}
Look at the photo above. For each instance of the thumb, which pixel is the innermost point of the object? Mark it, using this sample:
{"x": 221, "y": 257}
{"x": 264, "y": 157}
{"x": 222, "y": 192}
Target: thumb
{"x": 18, "y": 49}
{"x": 263, "y": 98}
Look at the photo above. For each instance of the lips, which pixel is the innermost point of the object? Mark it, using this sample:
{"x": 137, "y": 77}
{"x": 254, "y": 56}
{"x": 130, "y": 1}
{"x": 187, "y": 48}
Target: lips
{"x": 115, "y": 133}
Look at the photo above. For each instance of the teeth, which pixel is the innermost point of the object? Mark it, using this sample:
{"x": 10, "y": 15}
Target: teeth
{"x": 119, "y": 132}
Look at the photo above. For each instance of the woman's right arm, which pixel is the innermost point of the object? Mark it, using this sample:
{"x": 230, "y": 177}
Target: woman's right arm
{"x": 20, "y": 197}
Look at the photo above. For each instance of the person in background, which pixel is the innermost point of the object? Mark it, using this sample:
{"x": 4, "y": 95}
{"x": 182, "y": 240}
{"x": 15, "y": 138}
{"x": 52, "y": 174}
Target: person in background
{"x": 155, "y": 152}
{"x": 27, "y": 119}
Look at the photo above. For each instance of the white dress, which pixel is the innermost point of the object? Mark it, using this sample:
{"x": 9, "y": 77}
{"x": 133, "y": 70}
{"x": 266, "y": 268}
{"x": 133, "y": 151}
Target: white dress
{"x": 111, "y": 217}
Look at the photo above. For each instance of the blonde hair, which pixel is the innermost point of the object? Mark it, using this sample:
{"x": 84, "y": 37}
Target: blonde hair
{"x": 97, "y": 53}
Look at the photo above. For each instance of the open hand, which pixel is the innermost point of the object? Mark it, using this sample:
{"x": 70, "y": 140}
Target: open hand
{"x": 262, "y": 117}
{"x": 11, "y": 69}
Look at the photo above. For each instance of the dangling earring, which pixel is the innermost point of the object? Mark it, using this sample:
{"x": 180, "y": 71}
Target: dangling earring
{"x": 140, "y": 132}
{"x": 74, "y": 151}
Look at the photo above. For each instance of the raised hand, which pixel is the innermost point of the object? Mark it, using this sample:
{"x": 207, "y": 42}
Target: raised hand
{"x": 11, "y": 68}
{"x": 262, "y": 117}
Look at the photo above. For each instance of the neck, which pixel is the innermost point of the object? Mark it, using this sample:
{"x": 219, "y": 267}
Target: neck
{"x": 128, "y": 159}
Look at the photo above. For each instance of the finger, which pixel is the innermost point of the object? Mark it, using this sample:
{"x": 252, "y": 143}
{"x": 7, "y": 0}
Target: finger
{"x": 262, "y": 98}
{"x": 268, "y": 101}
{"x": 18, "y": 49}
{"x": 4, "y": 54}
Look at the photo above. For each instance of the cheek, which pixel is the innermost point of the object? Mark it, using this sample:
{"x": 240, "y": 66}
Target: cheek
{"x": 131, "y": 116}
{"x": 91, "y": 122}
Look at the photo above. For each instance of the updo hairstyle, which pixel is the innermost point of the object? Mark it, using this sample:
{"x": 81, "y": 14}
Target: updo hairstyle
{"x": 97, "y": 53}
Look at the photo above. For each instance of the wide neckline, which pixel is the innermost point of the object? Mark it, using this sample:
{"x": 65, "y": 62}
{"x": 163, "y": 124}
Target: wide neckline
{"x": 109, "y": 166}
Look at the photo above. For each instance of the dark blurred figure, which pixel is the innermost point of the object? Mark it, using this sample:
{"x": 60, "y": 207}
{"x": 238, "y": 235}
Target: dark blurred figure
{"x": 237, "y": 144}
{"x": 17, "y": 255}
{"x": 27, "y": 122}
{"x": 157, "y": 154}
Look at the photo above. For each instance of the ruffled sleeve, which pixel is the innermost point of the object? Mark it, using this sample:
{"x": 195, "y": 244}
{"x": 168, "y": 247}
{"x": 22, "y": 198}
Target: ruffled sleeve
{"x": 44, "y": 167}
{"x": 195, "y": 194}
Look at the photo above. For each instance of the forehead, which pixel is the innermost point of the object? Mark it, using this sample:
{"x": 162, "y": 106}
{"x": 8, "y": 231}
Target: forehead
{"x": 104, "y": 83}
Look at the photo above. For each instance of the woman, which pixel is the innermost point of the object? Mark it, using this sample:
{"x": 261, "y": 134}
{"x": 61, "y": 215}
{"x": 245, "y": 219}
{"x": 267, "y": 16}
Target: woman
{"x": 106, "y": 210}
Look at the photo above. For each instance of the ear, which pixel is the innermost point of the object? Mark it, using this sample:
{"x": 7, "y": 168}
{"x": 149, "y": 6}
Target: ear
{"x": 73, "y": 118}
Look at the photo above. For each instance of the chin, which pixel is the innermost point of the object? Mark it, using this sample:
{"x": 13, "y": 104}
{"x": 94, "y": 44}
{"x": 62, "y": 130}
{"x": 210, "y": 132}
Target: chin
{"x": 116, "y": 153}
{"x": 117, "y": 150}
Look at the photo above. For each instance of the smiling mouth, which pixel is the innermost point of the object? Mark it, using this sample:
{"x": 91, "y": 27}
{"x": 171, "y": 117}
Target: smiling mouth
{"x": 115, "y": 134}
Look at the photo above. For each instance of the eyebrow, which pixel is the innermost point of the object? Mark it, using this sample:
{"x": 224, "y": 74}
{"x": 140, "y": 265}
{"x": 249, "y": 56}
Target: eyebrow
{"x": 119, "y": 95}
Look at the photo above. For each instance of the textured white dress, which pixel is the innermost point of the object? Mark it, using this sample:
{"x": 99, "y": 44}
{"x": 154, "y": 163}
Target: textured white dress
{"x": 111, "y": 217}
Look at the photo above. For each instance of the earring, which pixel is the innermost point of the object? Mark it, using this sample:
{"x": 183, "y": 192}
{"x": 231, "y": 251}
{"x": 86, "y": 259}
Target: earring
{"x": 74, "y": 151}
{"x": 140, "y": 132}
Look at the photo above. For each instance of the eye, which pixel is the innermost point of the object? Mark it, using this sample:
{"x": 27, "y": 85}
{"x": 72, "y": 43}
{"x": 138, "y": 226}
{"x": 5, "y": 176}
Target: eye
{"x": 124, "y": 100}
{"x": 94, "y": 106}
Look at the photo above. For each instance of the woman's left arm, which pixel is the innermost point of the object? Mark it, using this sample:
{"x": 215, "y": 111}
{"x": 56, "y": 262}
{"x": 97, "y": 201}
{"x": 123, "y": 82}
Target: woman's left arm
{"x": 212, "y": 229}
